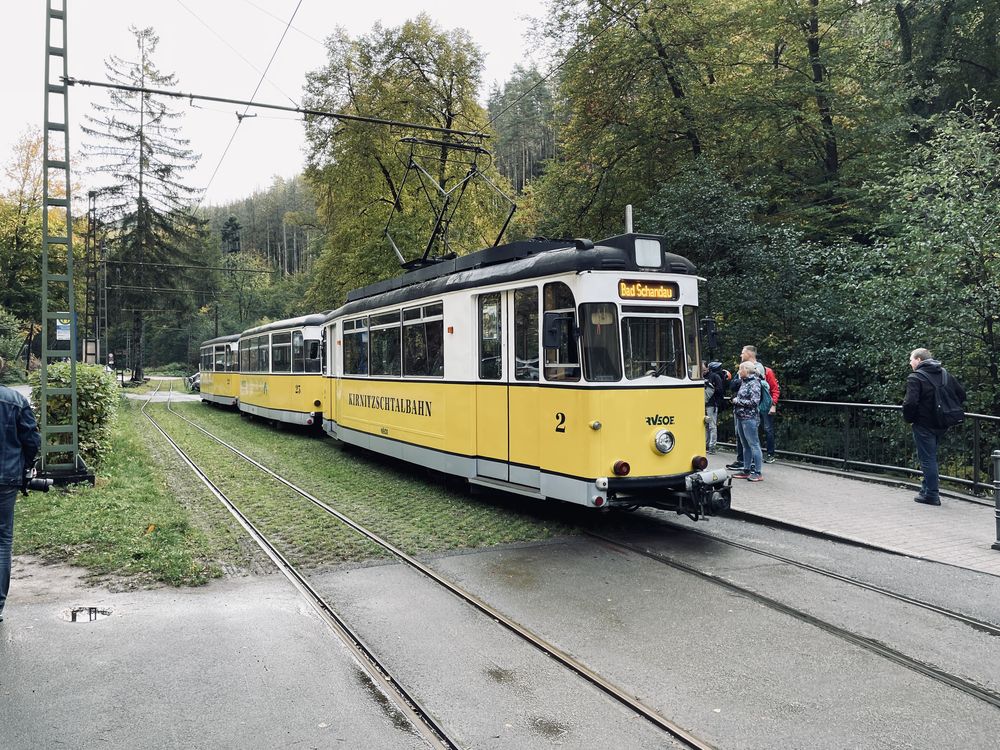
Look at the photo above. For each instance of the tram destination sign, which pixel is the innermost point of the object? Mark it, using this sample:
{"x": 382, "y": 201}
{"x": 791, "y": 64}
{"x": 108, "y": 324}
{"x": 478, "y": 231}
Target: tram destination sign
{"x": 653, "y": 290}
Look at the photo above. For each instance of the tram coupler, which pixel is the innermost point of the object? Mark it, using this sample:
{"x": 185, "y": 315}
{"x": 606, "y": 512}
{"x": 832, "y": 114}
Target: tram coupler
{"x": 710, "y": 492}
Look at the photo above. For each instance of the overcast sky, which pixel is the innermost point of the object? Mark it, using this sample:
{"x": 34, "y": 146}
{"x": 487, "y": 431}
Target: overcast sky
{"x": 220, "y": 48}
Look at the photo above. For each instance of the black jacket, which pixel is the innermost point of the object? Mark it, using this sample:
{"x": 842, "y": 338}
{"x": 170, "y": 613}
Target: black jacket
{"x": 918, "y": 404}
{"x": 718, "y": 399}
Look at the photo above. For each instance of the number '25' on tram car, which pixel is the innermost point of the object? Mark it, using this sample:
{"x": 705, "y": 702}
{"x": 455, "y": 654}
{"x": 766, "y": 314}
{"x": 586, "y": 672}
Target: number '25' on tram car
{"x": 553, "y": 369}
{"x": 281, "y": 370}
{"x": 220, "y": 371}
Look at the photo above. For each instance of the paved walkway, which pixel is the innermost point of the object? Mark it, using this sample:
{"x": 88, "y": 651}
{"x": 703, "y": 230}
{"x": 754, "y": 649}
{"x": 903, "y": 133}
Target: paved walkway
{"x": 958, "y": 532}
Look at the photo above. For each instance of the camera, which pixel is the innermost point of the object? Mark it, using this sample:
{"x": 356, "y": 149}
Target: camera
{"x": 33, "y": 483}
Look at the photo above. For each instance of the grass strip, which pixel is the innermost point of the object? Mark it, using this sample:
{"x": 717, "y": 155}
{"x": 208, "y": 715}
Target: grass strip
{"x": 401, "y": 502}
{"x": 137, "y": 521}
{"x": 305, "y": 534}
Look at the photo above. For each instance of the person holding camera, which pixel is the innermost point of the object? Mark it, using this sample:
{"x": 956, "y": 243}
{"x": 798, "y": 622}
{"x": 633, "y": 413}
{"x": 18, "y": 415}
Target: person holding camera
{"x": 19, "y": 444}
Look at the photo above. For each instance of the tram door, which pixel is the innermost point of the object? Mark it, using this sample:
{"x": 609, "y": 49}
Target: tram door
{"x": 492, "y": 450}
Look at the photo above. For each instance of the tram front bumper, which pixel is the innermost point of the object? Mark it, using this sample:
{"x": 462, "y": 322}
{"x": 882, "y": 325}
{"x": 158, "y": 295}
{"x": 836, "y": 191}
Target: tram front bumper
{"x": 701, "y": 493}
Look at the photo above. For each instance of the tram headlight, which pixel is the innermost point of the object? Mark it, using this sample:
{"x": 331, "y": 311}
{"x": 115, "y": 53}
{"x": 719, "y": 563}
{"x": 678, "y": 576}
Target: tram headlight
{"x": 664, "y": 441}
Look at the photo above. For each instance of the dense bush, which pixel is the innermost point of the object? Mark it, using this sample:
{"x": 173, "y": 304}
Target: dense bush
{"x": 171, "y": 369}
{"x": 11, "y": 337}
{"x": 97, "y": 405}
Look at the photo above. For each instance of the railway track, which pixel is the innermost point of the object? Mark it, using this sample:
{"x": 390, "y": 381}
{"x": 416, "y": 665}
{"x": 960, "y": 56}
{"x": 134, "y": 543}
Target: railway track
{"x": 966, "y": 686}
{"x": 422, "y": 721}
{"x": 433, "y": 733}
{"x": 975, "y": 623}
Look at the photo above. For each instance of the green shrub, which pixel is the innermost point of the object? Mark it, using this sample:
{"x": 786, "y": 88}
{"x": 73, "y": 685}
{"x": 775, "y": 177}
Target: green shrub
{"x": 11, "y": 339}
{"x": 97, "y": 405}
{"x": 172, "y": 370}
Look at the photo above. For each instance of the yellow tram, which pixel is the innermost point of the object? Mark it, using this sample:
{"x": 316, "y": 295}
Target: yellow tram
{"x": 552, "y": 369}
{"x": 281, "y": 370}
{"x": 220, "y": 377}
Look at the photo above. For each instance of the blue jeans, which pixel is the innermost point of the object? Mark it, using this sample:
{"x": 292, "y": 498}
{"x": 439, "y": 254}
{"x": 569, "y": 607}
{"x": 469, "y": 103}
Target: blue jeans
{"x": 927, "y": 444}
{"x": 767, "y": 422}
{"x": 7, "y": 497}
{"x": 746, "y": 429}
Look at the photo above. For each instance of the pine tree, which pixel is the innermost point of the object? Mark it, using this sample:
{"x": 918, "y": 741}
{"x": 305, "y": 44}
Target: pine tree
{"x": 135, "y": 143}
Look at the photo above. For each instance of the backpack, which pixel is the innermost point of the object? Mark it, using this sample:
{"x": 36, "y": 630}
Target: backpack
{"x": 766, "y": 402}
{"x": 948, "y": 411}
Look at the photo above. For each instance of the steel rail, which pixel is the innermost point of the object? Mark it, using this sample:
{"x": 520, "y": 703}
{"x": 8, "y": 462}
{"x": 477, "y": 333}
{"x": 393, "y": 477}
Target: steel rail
{"x": 869, "y": 644}
{"x": 524, "y": 633}
{"x": 422, "y": 721}
{"x": 972, "y": 622}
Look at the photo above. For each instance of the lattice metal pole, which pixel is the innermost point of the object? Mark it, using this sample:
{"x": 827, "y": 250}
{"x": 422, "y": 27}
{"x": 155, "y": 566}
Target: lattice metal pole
{"x": 60, "y": 454}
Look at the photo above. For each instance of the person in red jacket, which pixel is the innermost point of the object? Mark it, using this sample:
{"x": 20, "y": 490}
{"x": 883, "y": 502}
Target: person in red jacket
{"x": 766, "y": 374}
{"x": 749, "y": 354}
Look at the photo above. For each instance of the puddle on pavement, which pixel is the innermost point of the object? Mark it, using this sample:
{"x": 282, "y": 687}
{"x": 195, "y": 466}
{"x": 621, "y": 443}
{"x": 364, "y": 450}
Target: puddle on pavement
{"x": 501, "y": 676}
{"x": 551, "y": 730}
{"x": 85, "y": 614}
{"x": 399, "y": 721}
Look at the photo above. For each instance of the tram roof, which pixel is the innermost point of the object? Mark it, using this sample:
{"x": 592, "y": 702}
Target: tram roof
{"x": 222, "y": 340}
{"x": 516, "y": 261}
{"x": 316, "y": 319}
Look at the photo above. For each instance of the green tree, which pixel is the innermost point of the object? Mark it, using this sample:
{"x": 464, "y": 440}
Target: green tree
{"x": 135, "y": 143}
{"x": 940, "y": 216}
{"x": 522, "y": 112}
{"x": 415, "y": 73}
{"x": 21, "y": 228}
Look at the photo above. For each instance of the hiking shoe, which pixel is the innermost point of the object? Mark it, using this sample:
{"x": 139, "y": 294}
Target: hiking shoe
{"x": 755, "y": 478}
{"x": 734, "y": 465}
{"x": 927, "y": 500}
{"x": 741, "y": 475}
{"x": 769, "y": 459}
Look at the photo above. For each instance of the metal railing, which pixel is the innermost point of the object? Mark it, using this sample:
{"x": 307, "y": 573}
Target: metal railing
{"x": 873, "y": 438}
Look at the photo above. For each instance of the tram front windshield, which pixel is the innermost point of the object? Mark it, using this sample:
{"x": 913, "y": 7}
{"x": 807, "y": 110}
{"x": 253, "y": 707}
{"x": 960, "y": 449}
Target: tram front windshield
{"x": 653, "y": 346}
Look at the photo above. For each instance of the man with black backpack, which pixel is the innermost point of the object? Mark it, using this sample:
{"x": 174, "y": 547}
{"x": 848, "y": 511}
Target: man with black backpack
{"x": 932, "y": 404}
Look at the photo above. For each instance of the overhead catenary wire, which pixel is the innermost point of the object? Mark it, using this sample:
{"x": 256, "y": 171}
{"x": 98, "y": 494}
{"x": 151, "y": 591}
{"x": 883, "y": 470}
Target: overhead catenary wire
{"x": 300, "y": 110}
{"x": 236, "y": 51}
{"x": 239, "y": 118}
{"x": 181, "y": 265}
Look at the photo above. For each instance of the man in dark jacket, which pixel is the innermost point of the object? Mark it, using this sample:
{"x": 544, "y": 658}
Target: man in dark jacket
{"x": 713, "y": 377}
{"x": 919, "y": 407}
{"x": 19, "y": 443}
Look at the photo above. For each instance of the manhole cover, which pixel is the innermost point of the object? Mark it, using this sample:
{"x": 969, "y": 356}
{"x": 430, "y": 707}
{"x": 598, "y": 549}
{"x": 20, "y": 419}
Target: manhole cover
{"x": 85, "y": 614}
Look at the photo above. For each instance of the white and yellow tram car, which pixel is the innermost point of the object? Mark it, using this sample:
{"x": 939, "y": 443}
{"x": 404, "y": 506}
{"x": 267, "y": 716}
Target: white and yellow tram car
{"x": 281, "y": 370}
{"x": 552, "y": 369}
{"x": 220, "y": 377}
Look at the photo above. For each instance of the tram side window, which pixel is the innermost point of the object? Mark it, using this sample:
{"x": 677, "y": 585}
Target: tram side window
{"x": 423, "y": 341}
{"x": 693, "y": 345}
{"x": 281, "y": 352}
{"x": 244, "y": 356}
{"x": 385, "y": 344}
{"x": 314, "y": 356}
{"x": 526, "y": 333}
{"x": 653, "y": 346}
{"x": 356, "y": 346}
{"x": 298, "y": 352}
{"x": 263, "y": 352}
{"x": 220, "y": 359}
{"x": 562, "y": 360}
{"x": 490, "y": 341}
{"x": 601, "y": 359}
